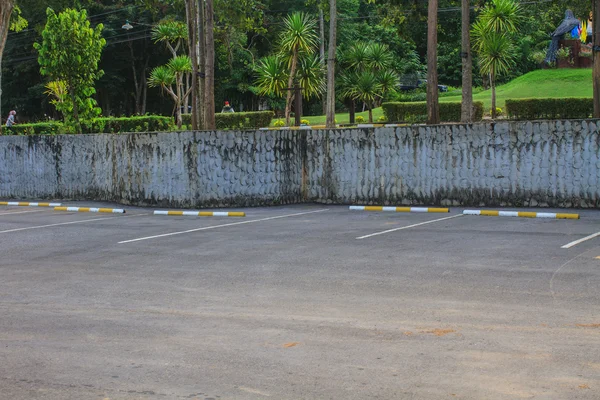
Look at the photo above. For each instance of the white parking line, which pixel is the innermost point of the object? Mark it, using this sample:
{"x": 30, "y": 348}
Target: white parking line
{"x": 576, "y": 242}
{"x": 21, "y": 212}
{"x": 407, "y": 227}
{"x": 66, "y": 223}
{"x": 220, "y": 226}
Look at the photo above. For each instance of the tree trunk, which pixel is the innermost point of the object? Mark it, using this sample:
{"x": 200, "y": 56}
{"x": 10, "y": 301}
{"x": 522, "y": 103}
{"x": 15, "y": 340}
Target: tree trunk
{"x": 190, "y": 10}
{"x": 179, "y": 101}
{"x": 493, "y": 85}
{"x": 466, "y": 114}
{"x": 433, "y": 111}
{"x": 331, "y": 64}
{"x": 596, "y": 70}
{"x": 144, "y": 95}
{"x": 290, "y": 91}
{"x": 209, "y": 95}
{"x": 322, "y": 49}
{"x": 201, "y": 50}
{"x": 370, "y": 113}
{"x": 351, "y": 110}
{"x": 75, "y": 109}
{"x": 6, "y": 8}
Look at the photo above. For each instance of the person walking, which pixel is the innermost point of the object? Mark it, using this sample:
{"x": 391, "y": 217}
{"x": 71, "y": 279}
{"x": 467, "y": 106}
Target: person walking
{"x": 227, "y": 108}
{"x": 10, "y": 121}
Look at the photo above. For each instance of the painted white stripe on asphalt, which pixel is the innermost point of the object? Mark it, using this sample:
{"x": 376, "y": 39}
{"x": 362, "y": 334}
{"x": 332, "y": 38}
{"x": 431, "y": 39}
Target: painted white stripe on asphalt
{"x": 576, "y": 242}
{"x": 67, "y": 223}
{"x": 407, "y": 227}
{"x": 220, "y": 226}
{"x": 22, "y": 212}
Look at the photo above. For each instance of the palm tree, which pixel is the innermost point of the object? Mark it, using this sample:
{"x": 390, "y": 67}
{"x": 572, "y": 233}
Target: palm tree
{"x": 272, "y": 76}
{"x": 171, "y": 74}
{"x": 496, "y": 57}
{"x": 172, "y": 33}
{"x": 298, "y": 36}
{"x": 492, "y": 36}
{"x": 366, "y": 57}
{"x": 311, "y": 76}
{"x": 365, "y": 88}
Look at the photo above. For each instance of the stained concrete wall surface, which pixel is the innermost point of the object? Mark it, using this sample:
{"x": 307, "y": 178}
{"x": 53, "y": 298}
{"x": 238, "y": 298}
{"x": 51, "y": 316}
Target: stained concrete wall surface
{"x": 547, "y": 163}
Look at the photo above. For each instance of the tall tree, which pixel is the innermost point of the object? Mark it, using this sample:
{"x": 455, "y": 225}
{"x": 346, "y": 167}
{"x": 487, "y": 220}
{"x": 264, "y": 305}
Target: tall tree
{"x": 70, "y": 51}
{"x": 596, "y": 71}
{"x": 7, "y": 7}
{"x": 209, "y": 69}
{"x": 493, "y": 38}
{"x": 298, "y": 36}
{"x": 171, "y": 74}
{"x": 433, "y": 108}
{"x": 190, "y": 14}
{"x": 330, "y": 119}
{"x": 466, "y": 115}
{"x": 322, "y": 46}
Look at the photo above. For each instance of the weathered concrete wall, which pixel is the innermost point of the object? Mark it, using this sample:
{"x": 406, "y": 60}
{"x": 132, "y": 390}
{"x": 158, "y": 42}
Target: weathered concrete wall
{"x": 184, "y": 169}
{"x": 554, "y": 163}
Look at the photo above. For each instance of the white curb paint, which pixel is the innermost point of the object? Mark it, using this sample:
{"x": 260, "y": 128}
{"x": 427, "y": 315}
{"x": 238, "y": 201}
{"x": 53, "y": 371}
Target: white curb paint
{"x": 26, "y": 204}
{"x": 91, "y": 209}
{"x": 522, "y": 214}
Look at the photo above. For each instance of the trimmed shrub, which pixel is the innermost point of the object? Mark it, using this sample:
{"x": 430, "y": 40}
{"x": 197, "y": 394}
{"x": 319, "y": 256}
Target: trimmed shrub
{"x": 565, "y": 108}
{"x": 238, "y": 120}
{"x": 359, "y": 119}
{"x": 42, "y": 128}
{"x": 144, "y": 123}
{"x": 407, "y": 112}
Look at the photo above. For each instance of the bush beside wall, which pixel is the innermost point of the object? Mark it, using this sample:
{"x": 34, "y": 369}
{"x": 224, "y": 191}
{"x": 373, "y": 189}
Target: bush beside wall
{"x": 238, "y": 120}
{"x": 565, "y": 108}
{"x": 417, "y": 111}
{"x": 42, "y": 128}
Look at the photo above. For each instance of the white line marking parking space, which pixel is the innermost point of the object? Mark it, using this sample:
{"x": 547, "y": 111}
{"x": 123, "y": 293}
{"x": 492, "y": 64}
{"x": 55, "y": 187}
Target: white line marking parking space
{"x": 219, "y": 226}
{"x": 576, "y": 242}
{"x": 407, "y": 227}
{"x": 22, "y": 212}
{"x": 66, "y": 223}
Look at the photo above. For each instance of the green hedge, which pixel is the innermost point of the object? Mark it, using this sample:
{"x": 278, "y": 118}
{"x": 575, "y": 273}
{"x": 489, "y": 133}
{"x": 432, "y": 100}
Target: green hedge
{"x": 238, "y": 120}
{"x": 144, "y": 123}
{"x": 42, "y": 128}
{"x": 417, "y": 111}
{"x": 565, "y": 108}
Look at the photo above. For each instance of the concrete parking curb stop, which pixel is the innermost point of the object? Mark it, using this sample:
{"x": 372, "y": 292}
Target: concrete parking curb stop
{"x": 400, "y": 209}
{"x": 201, "y": 213}
{"x": 522, "y": 214}
{"x": 90, "y": 209}
{"x": 26, "y": 204}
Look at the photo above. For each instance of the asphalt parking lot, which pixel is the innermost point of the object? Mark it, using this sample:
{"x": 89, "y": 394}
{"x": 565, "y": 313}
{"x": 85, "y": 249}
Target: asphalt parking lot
{"x": 298, "y": 302}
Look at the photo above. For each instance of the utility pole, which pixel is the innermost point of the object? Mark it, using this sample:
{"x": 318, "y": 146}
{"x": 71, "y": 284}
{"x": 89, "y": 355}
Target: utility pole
{"x": 596, "y": 52}
{"x": 433, "y": 109}
{"x": 466, "y": 114}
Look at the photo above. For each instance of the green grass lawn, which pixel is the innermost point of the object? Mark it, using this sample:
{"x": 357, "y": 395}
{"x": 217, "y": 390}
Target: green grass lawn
{"x": 543, "y": 83}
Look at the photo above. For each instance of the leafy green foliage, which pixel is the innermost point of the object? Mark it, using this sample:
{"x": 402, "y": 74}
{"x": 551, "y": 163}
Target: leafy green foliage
{"x": 42, "y": 128}
{"x": 239, "y": 120}
{"x": 147, "y": 123}
{"x": 406, "y": 112}
{"x": 566, "y": 108}
{"x": 70, "y": 52}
